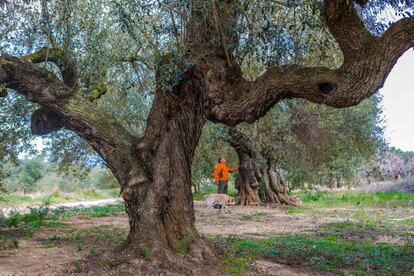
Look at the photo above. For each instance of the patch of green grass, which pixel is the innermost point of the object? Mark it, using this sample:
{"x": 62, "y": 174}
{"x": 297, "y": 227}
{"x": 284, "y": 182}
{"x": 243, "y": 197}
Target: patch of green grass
{"x": 253, "y": 217}
{"x": 232, "y": 191}
{"x": 8, "y": 241}
{"x": 330, "y": 254}
{"x": 348, "y": 227}
{"x": 96, "y": 212}
{"x": 147, "y": 254}
{"x": 41, "y": 217}
{"x": 198, "y": 196}
{"x": 346, "y": 199}
{"x": 114, "y": 235}
{"x": 92, "y": 251}
{"x": 407, "y": 222}
{"x": 48, "y": 244}
{"x": 237, "y": 265}
{"x": 15, "y": 242}
{"x": 246, "y": 217}
{"x": 261, "y": 214}
{"x": 295, "y": 210}
{"x": 47, "y": 200}
{"x": 209, "y": 189}
{"x": 185, "y": 242}
{"x": 78, "y": 247}
{"x": 98, "y": 215}
{"x": 78, "y": 266}
{"x": 12, "y": 200}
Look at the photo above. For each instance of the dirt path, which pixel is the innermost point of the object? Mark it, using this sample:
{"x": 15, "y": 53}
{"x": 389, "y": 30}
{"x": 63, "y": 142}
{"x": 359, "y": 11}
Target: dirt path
{"x": 52, "y": 250}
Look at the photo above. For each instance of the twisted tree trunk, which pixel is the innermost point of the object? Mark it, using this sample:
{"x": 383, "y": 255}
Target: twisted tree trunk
{"x": 276, "y": 188}
{"x": 250, "y": 174}
{"x": 258, "y": 180}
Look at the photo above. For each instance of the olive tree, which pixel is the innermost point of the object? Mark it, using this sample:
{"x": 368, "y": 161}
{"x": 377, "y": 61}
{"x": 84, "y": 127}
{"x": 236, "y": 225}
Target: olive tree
{"x": 197, "y": 78}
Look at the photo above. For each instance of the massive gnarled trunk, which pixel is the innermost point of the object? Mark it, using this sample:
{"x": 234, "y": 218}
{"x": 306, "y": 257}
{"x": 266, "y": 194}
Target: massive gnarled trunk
{"x": 259, "y": 180}
{"x": 161, "y": 208}
{"x": 155, "y": 170}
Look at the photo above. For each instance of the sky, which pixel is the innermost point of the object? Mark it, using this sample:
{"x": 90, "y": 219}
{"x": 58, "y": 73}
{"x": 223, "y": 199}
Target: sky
{"x": 398, "y": 103}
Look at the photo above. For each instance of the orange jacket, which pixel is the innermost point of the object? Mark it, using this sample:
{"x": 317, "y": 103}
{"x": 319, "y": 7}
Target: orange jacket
{"x": 222, "y": 172}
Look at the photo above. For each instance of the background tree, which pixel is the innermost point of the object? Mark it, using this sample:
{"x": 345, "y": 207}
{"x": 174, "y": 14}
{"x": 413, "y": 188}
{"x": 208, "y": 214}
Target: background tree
{"x": 25, "y": 176}
{"x": 258, "y": 179}
{"x": 197, "y": 47}
{"x": 390, "y": 164}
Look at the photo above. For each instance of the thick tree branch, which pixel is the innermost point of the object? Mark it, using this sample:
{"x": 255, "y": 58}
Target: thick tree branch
{"x": 367, "y": 63}
{"x": 347, "y": 28}
{"x": 59, "y": 57}
{"x": 61, "y": 107}
{"x": 37, "y": 84}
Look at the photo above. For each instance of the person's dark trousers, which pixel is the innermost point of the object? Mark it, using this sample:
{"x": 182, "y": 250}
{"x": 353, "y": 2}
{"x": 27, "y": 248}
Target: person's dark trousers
{"x": 222, "y": 187}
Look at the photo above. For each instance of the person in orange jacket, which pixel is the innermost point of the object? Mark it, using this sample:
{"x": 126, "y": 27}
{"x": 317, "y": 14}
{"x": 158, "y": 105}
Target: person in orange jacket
{"x": 221, "y": 176}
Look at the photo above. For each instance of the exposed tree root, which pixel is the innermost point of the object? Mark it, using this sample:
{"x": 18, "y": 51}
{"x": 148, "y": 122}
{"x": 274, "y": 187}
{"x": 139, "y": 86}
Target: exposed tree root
{"x": 203, "y": 258}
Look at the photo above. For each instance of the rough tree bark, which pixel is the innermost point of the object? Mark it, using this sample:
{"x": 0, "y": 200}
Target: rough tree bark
{"x": 250, "y": 174}
{"x": 259, "y": 180}
{"x": 155, "y": 170}
{"x": 276, "y": 189}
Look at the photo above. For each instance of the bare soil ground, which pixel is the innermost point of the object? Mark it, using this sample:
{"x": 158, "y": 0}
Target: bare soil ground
{"x": 62, "y": 250}
{"x": 255, "y": 222}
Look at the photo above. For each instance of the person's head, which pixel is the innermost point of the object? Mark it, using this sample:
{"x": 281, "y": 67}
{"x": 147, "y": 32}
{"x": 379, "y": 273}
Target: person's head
{"x": 221, "y": 160}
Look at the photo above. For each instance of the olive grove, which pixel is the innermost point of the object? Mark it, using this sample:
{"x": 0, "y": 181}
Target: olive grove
{"x": 182, "y": 61}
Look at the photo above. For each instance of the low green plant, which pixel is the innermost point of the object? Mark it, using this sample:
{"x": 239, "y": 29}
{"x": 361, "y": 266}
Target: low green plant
{"x": 295, "y": 210}
{"x": 78, "y": 266}
{"x": 237, "y": 266}
{"x": 92, "y": 251}
{"x": 261, "y": 214}
{"x": 185, "y": 242}
{"x": 15, "y": 242}
{"x": 147, "y": 254}
{"x": 407, "y": 222}
{"x": 49, "y": 244}
{"x": 47, "y": 201}
{"x": 246, "y": 217}
{"x": 41, "y": 217}
{"x": 198, "y": 196}
{"x": 253, "y": 217}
